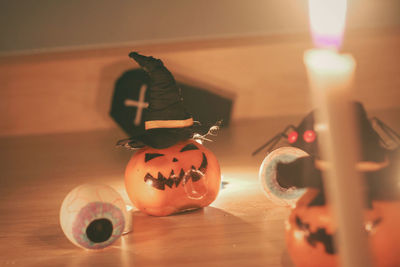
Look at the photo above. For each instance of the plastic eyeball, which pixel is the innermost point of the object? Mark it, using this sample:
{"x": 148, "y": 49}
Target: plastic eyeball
{"x": 93, "y": 216}
{"x": 267, "y": 175}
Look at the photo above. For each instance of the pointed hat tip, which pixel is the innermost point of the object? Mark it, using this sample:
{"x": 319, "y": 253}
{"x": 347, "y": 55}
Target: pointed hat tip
{"x": 138, "y": 57}
{"x": 146, "y": 62}
{"x": 133, "y": 54}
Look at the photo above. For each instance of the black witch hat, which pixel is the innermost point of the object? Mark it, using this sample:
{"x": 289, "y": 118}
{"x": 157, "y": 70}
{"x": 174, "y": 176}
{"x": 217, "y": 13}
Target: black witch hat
{"x": 166, "y": 120}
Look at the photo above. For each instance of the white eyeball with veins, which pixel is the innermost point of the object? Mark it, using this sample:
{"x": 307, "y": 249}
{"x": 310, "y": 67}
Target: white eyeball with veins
{"x": 93, "y": 216}
{"x": 267, "y": 175}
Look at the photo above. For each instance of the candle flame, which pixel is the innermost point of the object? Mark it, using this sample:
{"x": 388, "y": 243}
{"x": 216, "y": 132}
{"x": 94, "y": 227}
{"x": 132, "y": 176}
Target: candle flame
{"x": 327, "y": 22}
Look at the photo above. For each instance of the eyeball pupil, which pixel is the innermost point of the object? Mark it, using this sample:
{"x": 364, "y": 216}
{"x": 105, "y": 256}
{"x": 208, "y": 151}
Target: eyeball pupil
{"x": 99, "y": 230}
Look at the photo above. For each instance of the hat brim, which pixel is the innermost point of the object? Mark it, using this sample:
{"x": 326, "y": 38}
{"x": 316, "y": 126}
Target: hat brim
{"x": 158, "y": 138}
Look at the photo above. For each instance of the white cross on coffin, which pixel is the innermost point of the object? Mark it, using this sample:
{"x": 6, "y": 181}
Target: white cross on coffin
{"x": 140, "y": 104}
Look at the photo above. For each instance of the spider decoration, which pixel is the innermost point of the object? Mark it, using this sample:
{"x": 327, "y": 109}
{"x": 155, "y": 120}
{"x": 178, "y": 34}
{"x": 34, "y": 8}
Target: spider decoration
{"x": 309, "y": 231}
{"x": 304, "y": 136}
{"x": 376, "y": 153}
{"x": 376, "y": 150}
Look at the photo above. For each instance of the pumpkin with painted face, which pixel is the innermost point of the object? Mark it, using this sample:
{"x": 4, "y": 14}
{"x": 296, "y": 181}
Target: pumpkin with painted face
{"x": 310, "y": 233}
{"x": 165, "y": 181}
{"x": 311, "y": 229}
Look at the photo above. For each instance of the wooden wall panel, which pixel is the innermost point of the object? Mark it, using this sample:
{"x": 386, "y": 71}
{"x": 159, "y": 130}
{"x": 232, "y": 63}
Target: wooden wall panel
{"x": 71, "y": 91}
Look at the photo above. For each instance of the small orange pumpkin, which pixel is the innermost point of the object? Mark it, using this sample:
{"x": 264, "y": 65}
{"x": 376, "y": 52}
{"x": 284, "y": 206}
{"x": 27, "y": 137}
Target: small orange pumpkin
{"x": 310, "y": 231}
{"x": 184, "y": 176}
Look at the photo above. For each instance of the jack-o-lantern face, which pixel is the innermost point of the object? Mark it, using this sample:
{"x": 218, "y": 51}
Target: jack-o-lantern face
{"x": 165, "y": 181}
{"x": 310, "y": 231}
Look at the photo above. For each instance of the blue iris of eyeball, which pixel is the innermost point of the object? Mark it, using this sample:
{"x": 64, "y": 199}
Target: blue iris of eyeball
{"x": 93, "y": 216}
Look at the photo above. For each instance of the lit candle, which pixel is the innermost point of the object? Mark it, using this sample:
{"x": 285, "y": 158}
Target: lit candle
{"x": 330, "y": 76}
{"x": 327, "y": 21}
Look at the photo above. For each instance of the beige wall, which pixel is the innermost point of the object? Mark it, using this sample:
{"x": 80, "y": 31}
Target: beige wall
{"x": 71, "y": 91}
{"x": 27, "y": 25}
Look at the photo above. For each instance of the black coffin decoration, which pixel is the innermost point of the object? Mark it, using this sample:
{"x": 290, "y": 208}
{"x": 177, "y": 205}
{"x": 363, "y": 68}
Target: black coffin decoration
{"x": 130, "y": 102}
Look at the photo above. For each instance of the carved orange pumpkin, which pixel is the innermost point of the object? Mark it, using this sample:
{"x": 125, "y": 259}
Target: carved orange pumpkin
{"x": 385, "y": 237}
{"x": 310, "y": 231}
{"x": 161, "y": 182}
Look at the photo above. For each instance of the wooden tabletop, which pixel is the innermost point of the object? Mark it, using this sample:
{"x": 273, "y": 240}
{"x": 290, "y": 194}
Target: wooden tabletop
{"x": 241, "y": 228}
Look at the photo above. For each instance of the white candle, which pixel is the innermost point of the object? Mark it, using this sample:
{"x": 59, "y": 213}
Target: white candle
{"x": 327, "y": 21}
{"x": 330, "y": 76}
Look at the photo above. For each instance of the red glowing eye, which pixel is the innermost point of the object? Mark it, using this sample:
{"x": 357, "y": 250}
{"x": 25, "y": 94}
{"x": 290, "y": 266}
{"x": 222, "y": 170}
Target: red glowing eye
{"x": 292, "y": 137}
{"x": 309, "y": 136}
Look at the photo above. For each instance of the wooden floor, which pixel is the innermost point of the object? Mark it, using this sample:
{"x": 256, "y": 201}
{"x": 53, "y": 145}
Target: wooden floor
{"x": 241, "y": 228}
